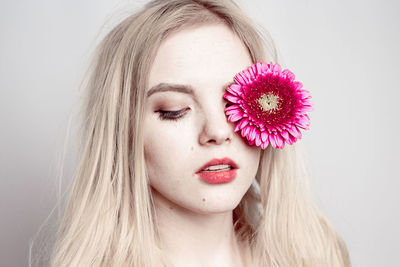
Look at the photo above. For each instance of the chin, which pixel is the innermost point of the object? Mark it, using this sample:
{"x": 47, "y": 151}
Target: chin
{"x": 212, "y": 204}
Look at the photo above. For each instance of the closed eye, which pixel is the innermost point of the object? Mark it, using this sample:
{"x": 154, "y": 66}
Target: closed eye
{"x": 172, "y": 115}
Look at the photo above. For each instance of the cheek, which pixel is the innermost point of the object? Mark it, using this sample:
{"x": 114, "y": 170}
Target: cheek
{"x": 251, "y": 155}
{"x": 166, "y": 147}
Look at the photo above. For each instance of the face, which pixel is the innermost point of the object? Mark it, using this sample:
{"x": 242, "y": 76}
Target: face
{"x": 185, "y": 126}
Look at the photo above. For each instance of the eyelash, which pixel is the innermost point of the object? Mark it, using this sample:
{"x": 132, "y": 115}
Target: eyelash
{"x": 172, "y": 115}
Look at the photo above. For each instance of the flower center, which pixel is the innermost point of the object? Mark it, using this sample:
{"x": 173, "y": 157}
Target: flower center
{"x": 269, "y": 102}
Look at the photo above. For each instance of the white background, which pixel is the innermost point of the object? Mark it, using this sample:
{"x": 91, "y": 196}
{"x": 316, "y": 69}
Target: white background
{"x": 344, "y": 52}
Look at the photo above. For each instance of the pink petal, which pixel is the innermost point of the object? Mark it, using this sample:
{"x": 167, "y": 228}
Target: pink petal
{"x": 307, "y": 101}
{"x": 306, "y": 108}
{"x": 260, "y": 66}
{"x": 233, "y": 107}
{"x": 305, "y": 94}
{"x": 271, "y": 139}
{"x": 252, "y": 134}
{"x": 276, "y": 69}
{"x": 234, "y": 117}
{"x": 297, "y": 85}
{"x": 264, "y": 136}
{"x": 295, "y": 132}
{"x": 242, "y": 124}
{"x": 291, "y": 139}
{"x": 303, "y": 122}
{"x": 239, "y": 79}
{"x": 242, "y": 77}
{"x": 253, "y": 72}
{"x": 233, "y": 112}
{"x": 258, "y": 139}
{"x": 288, "y": 74}
{"x": 264, "y": 145}
{"x": 245, "y": 131}
{"x": 266, "y": 70}
{"x": 231, "y": 98}
{"x": 279, "y": 141}
{"x": 234, "y": 89}
{"x": 284, "y": 134}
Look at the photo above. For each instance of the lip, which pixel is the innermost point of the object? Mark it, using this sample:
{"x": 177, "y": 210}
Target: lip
{"x": 218, "y": 177}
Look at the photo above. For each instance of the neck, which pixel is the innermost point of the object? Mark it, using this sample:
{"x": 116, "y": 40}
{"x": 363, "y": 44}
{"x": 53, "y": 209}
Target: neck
{"x": 192, "y": 239}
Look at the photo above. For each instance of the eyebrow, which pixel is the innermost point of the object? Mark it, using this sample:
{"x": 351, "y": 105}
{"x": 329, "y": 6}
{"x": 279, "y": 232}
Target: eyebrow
{"x": 180, "y": 88}
{"x": 169, "y": 87}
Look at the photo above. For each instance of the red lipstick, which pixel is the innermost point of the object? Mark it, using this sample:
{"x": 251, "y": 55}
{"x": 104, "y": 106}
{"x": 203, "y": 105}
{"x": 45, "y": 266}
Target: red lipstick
{"x": 218, "y": 171}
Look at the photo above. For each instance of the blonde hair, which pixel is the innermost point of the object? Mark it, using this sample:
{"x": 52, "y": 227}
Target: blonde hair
{"x": 109, "y": 217}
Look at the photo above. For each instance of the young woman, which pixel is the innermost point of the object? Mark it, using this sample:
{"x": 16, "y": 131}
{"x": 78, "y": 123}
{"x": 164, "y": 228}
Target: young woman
{"x": 149, "y": 188}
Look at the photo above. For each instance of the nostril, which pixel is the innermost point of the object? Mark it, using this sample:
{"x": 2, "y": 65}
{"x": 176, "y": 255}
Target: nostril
{"x": 218, "y": 141}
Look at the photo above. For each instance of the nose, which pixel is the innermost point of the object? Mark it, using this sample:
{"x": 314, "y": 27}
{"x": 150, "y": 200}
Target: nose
{"x": 216, "y": 130}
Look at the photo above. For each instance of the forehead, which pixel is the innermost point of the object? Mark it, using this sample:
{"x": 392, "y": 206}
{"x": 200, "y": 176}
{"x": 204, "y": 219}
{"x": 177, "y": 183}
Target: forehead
{"x": 202, "y": 56}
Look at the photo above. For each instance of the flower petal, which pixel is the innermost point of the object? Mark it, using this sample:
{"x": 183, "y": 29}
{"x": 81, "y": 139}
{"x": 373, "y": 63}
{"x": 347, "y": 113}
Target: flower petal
{"x": 284, "y": 135}
{"x": 288, "y": 74}
{"x": 264, "y": 136}
{"x": 234, "y": 117}
{"x": 253, "y": 72}
{"x": 271, "y": 139}
{"x": 294, "y": 131}
{"x": 291, "y": 139}
{"x": 234, "y": 111}
{"x": 240, "y": 125}
{"x": 303, "y": 122}
{"x": 306, "y": 108}
{"x": 243, "y": 77}
{"x": 234, "y": 89}
{"x": 245, "y": 131}
{"x": 276, "y": 69}
{"x": 264, "y": 145}
{"x": 297, "y": 85}
{"x": 232, "y": 107}
{"x": 252, "y": 134}
{"x": 279, "y": 141}
{"x": 232, "y": 98}
{"x": 305, "y": 94}
{"x": 258, "y": 139}
{"x": 260, "y": 67}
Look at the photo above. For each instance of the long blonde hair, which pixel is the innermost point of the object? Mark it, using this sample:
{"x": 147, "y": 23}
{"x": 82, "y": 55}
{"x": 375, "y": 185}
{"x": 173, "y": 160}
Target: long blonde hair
{"x": 109, "y": 217}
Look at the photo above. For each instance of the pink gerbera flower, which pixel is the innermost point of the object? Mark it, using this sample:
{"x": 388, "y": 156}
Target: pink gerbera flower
{"x": 268, "y": 105}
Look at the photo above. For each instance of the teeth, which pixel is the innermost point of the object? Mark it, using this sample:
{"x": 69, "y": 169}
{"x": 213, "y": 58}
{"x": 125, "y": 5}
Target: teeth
{"x": 218, "y": 168}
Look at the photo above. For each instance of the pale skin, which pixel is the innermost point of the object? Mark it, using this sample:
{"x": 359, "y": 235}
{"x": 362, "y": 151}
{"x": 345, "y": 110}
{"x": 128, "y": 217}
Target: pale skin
{"x": 194, "y": 218}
